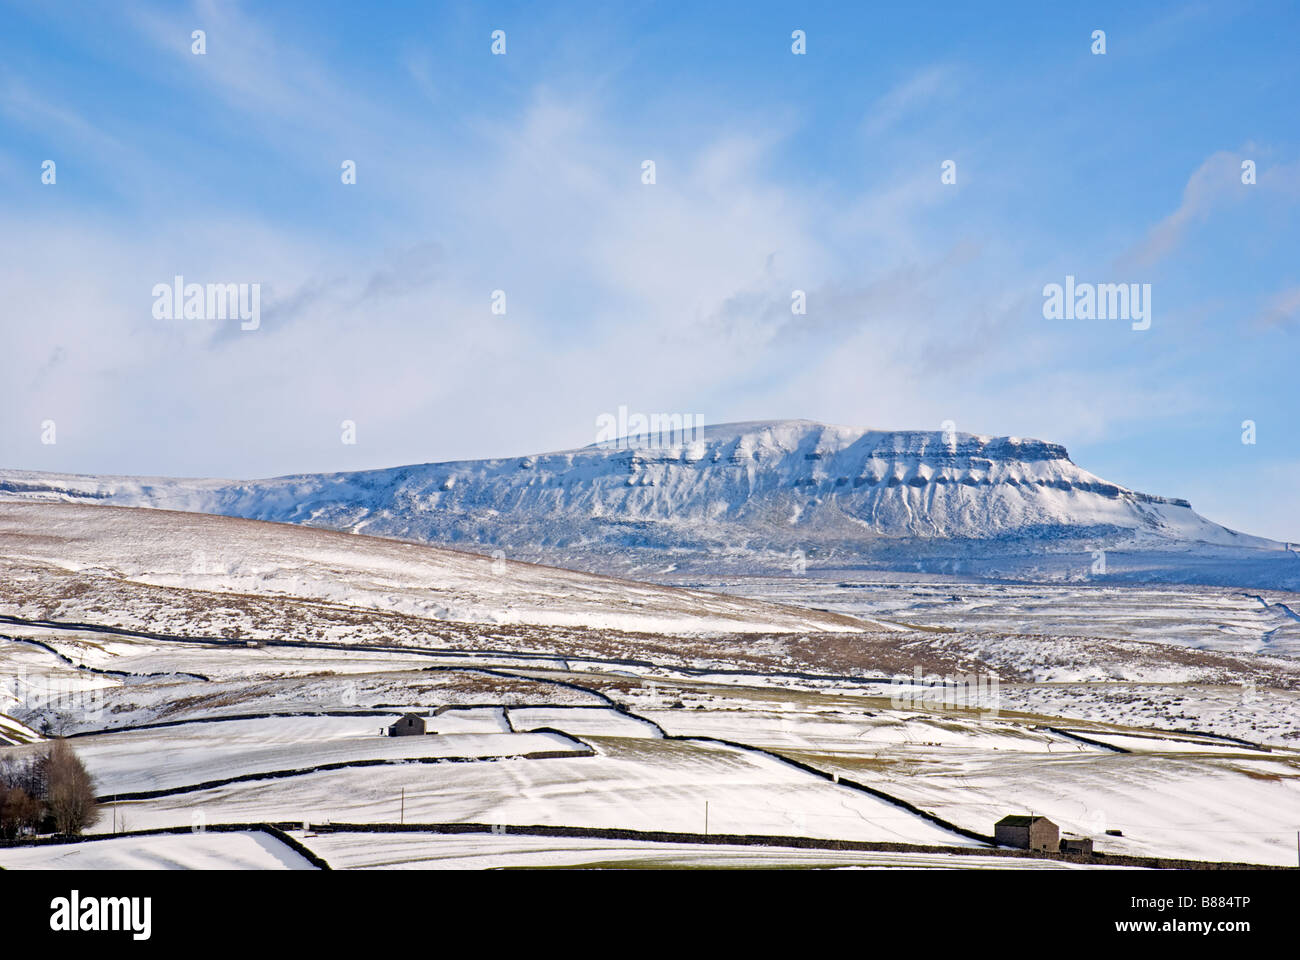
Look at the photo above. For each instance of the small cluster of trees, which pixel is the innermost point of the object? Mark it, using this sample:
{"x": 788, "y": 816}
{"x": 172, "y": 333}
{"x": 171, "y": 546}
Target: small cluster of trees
{"x": 45, "y": 791}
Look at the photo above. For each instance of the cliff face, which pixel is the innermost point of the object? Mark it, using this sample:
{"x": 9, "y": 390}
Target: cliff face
{"x": 770, "y": 486}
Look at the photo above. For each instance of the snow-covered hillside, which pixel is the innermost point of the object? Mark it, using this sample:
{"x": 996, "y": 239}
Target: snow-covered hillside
{"x": 223, "y": 555}
{"x": 775, "y": 491}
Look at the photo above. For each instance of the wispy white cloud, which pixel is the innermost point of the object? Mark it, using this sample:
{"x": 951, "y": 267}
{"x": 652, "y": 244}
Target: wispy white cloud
{"x": 1215, "y": 184}
{"x": 908, "y": 98}
{"x": 1281, "y": 309}
{"x": 923, "y": 299}
{"x": 1213, "y": 181}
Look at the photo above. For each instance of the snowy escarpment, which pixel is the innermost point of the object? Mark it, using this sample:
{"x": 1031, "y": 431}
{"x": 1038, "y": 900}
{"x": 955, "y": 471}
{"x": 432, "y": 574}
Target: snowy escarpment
{"x": 770, "y": 488}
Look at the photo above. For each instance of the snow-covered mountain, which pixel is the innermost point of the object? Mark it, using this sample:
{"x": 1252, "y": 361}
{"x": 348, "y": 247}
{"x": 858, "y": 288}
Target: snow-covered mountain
{"x": 736, "y": 495}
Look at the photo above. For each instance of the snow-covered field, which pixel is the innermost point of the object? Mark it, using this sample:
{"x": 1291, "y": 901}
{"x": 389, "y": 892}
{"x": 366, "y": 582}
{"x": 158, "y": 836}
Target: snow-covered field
{"x": 636, "y": 784}
{"x": 157, "y": 759}
{"x": 1175, "y": 798}
{"x": 1206, "y": 618}
{"x": 424, "y": 851}
{"x": 251, "y": 850}
{"x": 175, "y": 669}
{"x": 599, "y": 723}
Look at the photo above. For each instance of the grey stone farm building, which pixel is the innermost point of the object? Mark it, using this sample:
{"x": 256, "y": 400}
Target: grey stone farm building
{"x": 1028, "y": 833}
{"x": 408, "y": 725}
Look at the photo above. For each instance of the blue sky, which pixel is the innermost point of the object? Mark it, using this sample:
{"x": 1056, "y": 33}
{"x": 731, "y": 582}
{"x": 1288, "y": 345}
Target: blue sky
{"x": 774, "y": 172}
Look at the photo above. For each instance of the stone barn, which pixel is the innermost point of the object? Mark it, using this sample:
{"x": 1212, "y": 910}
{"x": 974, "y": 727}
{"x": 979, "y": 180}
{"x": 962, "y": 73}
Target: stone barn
{"x": 408, "y": 725}
{"x": 1077, "y": 845}
{"x": 1028, "y": 833}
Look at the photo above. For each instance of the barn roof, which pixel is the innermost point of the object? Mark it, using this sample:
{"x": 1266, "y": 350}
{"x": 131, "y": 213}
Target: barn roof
{"x": 1016, "y": 820}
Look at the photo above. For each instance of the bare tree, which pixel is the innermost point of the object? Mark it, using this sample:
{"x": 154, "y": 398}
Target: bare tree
{"x": 20, "y": 812}
{"x": 70, "y": 792}
{"x": 23, "y": 770}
